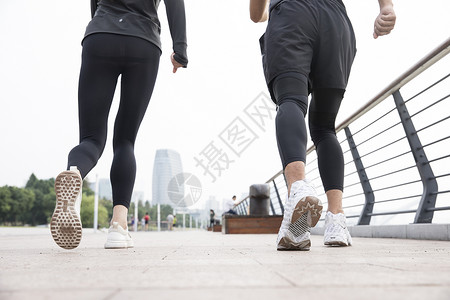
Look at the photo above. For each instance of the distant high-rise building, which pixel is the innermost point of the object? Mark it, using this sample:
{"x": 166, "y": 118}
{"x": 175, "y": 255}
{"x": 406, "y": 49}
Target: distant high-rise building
{"x": 167, "y": 165}
{"x": 212, "y": 203}
{"x": 104, "y": 188}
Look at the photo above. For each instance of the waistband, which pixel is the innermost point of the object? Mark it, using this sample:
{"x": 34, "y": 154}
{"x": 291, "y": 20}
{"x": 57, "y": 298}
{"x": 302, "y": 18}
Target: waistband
{"x": 275, "y": 3}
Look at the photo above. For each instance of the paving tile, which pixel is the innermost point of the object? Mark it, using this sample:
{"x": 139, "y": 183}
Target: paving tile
{"x": 201, "y": 264}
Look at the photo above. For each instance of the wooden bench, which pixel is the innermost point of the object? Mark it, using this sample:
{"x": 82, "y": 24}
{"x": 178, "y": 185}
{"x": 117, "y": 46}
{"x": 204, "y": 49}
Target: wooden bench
{"x": 239, "y": 224}
{"x": 217, "y": 228}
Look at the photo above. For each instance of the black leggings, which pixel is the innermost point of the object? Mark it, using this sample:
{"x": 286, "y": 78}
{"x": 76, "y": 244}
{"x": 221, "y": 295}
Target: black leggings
{"x": 291, "y": 93}
{"x": 104, "y": 58}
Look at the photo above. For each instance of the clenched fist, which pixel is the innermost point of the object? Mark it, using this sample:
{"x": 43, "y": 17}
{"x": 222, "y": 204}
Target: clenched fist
{"x": 385, "y": 21}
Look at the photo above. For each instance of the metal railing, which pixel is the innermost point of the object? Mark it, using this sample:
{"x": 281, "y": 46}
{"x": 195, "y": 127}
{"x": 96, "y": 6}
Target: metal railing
{"x": 396, "y": 151}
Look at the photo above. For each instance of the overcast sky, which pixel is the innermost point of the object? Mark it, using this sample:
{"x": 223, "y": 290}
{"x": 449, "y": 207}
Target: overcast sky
{"x": 40, "y": 59}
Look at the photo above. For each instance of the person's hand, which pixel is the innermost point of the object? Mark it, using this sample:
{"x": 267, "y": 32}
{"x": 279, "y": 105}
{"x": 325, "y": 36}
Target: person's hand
{"x": 385, "y": 21}
{"x": 175, "y": 64}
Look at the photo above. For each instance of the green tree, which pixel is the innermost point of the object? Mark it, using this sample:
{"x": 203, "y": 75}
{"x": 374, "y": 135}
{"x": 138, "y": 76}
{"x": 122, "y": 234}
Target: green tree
{"x": 165, "y": 211}
{"x": 86, "y": 188}
{"x": 87, "y": 212}
{"x": 153, "y": 211}
{"x": 38, "y": 184}
{"x": 25, "y": 199}
{"x": 108, "y": 205}
{"x": 87, "y": 208}
{"x": 6, "y": 204}
{"x": 35, "y": 203}
{"x": 44, "y": 203}
{"x": 186, "y": 220}
{"x": 15, "y": 205}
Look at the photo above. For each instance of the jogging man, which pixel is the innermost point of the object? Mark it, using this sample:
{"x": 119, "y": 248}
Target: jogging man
{"x": 308, "y": 48}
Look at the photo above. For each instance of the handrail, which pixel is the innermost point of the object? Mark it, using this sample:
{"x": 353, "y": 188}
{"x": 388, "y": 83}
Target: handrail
{"x": 275, "y": 176}
{"x": 406, "y": 77}
{"x": 423, "y": 64}
{"x": 424, "y": 213}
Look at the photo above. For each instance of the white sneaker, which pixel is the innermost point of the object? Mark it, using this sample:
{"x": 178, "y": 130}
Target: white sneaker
{"x": 118, "y": 237}
{"x": 302, "y": 211}
{"x": 336, "y": 232}
{"x": 65, "y": 225}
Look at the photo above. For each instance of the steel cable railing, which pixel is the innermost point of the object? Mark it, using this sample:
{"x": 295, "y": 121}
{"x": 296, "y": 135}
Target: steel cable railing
{"x": 387, "y": 169}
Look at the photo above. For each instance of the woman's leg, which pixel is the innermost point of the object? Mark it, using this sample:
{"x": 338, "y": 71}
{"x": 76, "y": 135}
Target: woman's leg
{"x": 98, "y": 77}
{"x": 324, "y": 107}
{"x": 138, "y": 80}
{"x": 97, "y": 83}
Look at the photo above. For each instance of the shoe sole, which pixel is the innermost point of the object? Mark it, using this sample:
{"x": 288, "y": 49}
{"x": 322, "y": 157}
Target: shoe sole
{"x": 337, "y": 243}
{"x": 116, "y": 246}
{"x": 110, "y": 245}
{"x": 286, "y": 244}
{"x": 313, "y": 208}
{"x": 310, "y": 205}
{"x": 65, "y": 224}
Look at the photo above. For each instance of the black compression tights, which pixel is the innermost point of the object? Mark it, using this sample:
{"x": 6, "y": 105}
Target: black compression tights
{"x": 104, "y": 58}
{"x": 291, "y": 92}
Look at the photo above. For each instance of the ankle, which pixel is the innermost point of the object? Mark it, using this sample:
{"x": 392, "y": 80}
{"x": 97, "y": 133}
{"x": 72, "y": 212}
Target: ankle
{"x": 120, "y": 214}
{"x": 122, "y": 223}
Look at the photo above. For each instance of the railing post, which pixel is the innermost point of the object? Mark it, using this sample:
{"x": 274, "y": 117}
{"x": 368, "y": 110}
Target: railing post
{"x": 239, "y": 209}
{"x": 364, "y": 218}
{"x": 430, "y": 186}
{"x": 245, "y": 207}
{"x": 242, "y": 208}
{"x": 271, "y": 207}
{"x": 278, "y": 196}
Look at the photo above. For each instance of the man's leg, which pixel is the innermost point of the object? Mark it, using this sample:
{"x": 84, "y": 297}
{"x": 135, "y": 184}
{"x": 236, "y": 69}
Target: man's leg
{"x": 325, "y": 105}
{"x": 302, "y": 208}
{"x": 294, "y": 171}
{"x": 291, "y": 93}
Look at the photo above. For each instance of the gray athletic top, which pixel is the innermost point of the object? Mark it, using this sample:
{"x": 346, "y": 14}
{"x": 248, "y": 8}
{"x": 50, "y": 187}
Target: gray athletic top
{"x": 140, "y": 18}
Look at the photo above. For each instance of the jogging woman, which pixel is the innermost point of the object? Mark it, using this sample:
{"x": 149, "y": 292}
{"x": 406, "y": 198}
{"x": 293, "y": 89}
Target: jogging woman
{"x": 123, "y": 38}
{"x": 308, "y": 47}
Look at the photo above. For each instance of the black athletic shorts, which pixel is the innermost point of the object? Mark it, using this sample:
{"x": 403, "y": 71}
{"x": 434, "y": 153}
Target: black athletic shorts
{"x": 311, "y": 37}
